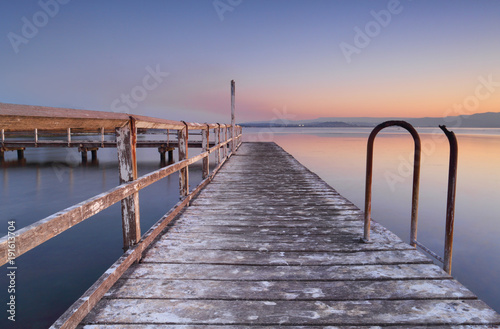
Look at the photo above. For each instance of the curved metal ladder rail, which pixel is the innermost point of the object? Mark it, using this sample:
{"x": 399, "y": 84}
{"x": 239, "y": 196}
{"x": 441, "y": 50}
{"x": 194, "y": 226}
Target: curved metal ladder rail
{"x": 450, "y": 208}
{"x": 416, "y": 178}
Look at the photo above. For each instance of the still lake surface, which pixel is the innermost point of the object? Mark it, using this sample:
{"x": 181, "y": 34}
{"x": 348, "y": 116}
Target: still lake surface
{"x": 52, "y": 276}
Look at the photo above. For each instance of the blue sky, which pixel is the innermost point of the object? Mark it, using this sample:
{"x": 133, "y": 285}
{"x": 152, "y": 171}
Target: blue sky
{"x": 286, "y": 57}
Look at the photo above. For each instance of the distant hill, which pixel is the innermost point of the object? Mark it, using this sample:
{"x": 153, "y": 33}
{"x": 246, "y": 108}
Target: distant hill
{"x": 479, "y": 120}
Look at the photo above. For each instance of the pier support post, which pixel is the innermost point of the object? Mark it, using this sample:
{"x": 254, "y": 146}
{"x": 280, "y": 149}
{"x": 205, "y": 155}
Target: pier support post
{"x": 94, "y": 155}
{"x": 162, "y": 150}
{"x": 84, "y": 156}
{"x": 20, "y": 154}
{"x": 126, "y": 139}
{"x": 205, "y": 146}
{"x": 162, "y": 156}
{"x": 225, "y": 140}
{"x": 182, "y": 136}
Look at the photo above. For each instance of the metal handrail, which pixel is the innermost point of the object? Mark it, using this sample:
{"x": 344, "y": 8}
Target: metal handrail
{"x": 450, "y": 203}
{"x": 416, "y": 178}
{"x": 452, "y": 184}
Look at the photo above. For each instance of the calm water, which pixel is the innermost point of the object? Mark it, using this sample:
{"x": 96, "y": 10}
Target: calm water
{"x": 51, "y": 277}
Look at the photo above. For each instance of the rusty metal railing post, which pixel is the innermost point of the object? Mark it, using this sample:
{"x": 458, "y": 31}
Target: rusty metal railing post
{"x": 416, "y": 178}
{"x": 450, "y": 204}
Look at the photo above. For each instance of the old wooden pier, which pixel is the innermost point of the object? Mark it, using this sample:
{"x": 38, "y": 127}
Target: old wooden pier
{"x": 267, "y": 243}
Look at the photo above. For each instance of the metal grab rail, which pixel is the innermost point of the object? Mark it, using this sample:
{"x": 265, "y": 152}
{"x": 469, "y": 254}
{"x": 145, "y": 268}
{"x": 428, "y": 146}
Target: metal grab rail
{"x": 450, "y": 203}
{"x": 452, "y": 184}
{"x": 416, "y": 178}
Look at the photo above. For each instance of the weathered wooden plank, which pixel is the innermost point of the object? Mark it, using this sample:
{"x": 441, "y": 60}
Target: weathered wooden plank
{"x": 323, "y": 213}
{"x": 285, "y": 273}
{"x": 312, "y": 245}
{"x": 375, "y": 312}
{"x": 289, "y": 290}
{"x": 352, "y": 230}
{"x": 179, "y": 255}
{"x": 204, "y": 326}
{"x": 264, "y": 223}
{"x": 349, "y": 241}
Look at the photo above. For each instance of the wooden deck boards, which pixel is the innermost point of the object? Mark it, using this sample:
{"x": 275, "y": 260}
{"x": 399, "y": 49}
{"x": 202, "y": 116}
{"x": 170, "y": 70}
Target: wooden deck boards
{"x": 269, "y": 244}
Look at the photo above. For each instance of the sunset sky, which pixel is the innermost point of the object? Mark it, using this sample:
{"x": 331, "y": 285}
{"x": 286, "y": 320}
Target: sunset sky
{"x": 299, "y": 59}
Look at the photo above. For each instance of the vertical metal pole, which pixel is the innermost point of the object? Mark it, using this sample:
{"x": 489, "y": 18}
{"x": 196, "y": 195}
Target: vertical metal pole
{"x": 450, "y": 205}
{"x": 69, "y": 137}
{"x": 36, "y": 137}
{"x": 3, "y": 137}
{"x": 182, "y": 136}
{"x": 126, "y": 139}
{"x": 205, "y": 146}
{"x": 233, "y": 142}
{"x": 368, "y": 187}
{"x": 217, "y": 142}
{"x": 415, "y": 190}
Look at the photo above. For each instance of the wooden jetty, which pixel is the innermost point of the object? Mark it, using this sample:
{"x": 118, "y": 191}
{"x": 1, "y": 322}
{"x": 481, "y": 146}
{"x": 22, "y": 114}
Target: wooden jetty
{"x": 25, "y": 126}
{"x": 268, "y": 243}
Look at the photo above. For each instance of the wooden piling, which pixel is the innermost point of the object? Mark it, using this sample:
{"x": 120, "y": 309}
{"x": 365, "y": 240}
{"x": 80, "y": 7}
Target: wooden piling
{"x": 182, "y": 136}
{"x": 233, "y": 91}
{"x": 20, "y": 154}
{"x": 205, "y": 146}
{"x": 217, "y": 141}
{"x": 127, "y": 160}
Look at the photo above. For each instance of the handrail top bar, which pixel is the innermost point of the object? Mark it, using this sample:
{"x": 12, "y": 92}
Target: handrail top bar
{"x": 391, "y": 123}
{"x": 16, "y": 117}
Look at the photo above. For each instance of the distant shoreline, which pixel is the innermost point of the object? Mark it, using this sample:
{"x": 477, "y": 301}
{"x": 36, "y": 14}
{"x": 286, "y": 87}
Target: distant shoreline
{"x": 478, "y": 120}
